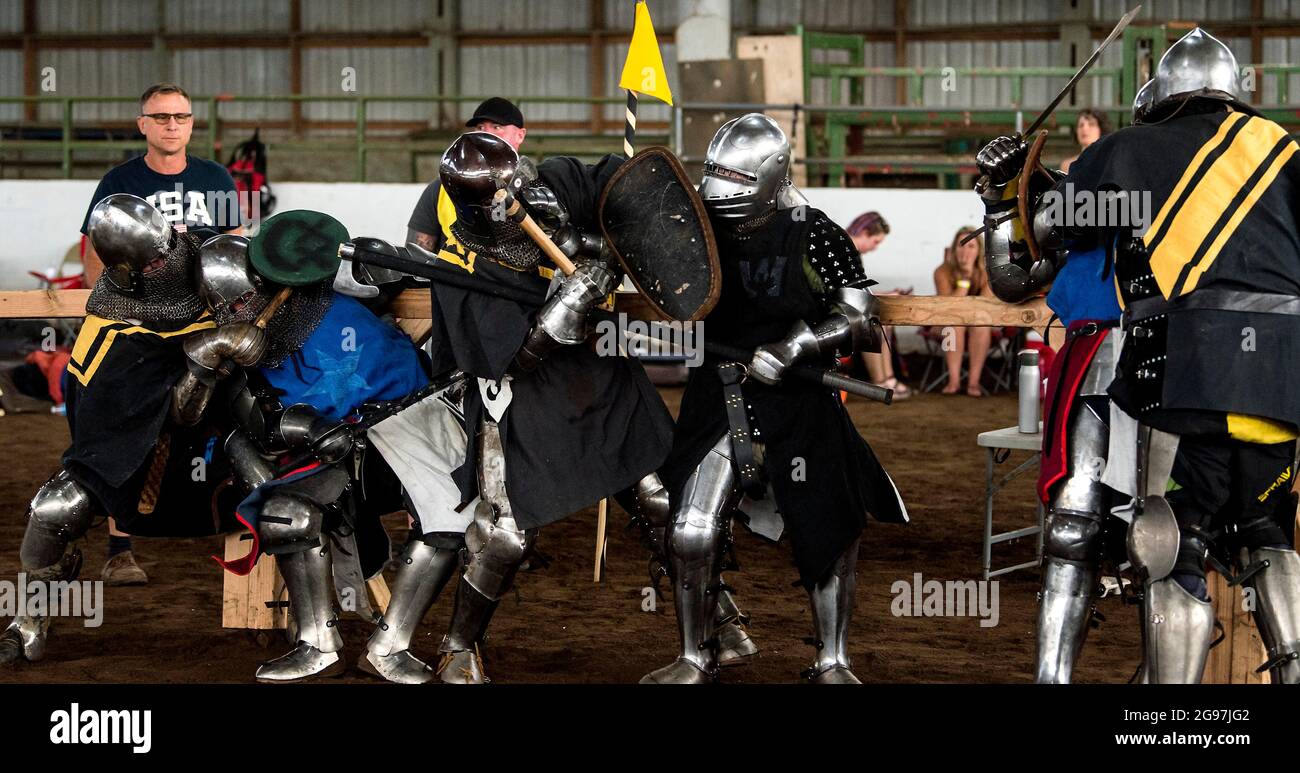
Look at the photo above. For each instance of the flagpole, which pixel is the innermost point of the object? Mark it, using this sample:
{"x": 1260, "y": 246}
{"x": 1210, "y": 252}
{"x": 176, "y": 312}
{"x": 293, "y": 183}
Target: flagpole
{"x": 629, "y": 125}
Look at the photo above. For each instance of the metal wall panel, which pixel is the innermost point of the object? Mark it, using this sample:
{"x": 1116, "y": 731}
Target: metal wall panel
{"x": 985, "y": 92}
{"x": 96, "y": 16}
{"x": 11, "y": 16}
{"x": 228, "y": 16}
{"x": 243, "y": 71}
{"x": 537, "y": 70}
{"x": 1281, "y": 9}
{"x": 1203, "y": 11}
{"x": 11, "y": 83}
{"x": 392, "y": 71}
{"x": 98, "y": 72}
{"x": 372, "y": 16}
{"x": 664, "y": 13}
{"x": 524, "y": 15}
{"x": 936, "y": 13}
{"x": 1279, "y": 51}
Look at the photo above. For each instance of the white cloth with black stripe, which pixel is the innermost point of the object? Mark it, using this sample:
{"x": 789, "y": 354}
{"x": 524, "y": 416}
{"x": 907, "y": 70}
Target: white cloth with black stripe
{"x": 423, "y": 444}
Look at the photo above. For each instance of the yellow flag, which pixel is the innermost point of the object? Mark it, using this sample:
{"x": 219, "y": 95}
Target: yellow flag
{"x": 643, "y": 71}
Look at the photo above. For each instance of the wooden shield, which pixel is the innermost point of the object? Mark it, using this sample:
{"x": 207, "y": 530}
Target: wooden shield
{"x": 656, "y": 224}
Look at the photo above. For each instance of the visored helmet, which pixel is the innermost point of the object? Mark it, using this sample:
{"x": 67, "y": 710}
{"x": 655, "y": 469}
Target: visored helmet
{"x": 226, "y": 278}
{"x": 129, "y": 234}
{"x": 473, "y": 168}
{"x": 745, "y": 168}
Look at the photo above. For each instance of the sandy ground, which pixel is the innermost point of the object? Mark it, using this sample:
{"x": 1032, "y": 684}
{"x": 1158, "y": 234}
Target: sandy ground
{"x": 561, "y": 627}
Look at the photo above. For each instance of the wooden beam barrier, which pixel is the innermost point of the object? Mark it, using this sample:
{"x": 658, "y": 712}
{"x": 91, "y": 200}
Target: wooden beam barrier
{"x": 414, "y": 305}
{"x": 894, "y": 310}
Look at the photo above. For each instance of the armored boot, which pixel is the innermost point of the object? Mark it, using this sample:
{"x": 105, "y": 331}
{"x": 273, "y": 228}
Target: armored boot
{"x": 24, "y": 639}
{"x": 422, "y": 573}
{"x": 648, "y": 503}
{"x": 1178, "y": 628}
{"x": 734, "y": 644}
{"x": 309, "y": 580}
{"x": 832, "y": 600}
{"x": 1073, "y": 536}
{"x": 60, "y": 513}
{"x": 497, "y": 547}
{"x": 695, "y": 562}
{"x": 1277, "y": 610}
{"x": 1063, "y": 611}
{"x": 696, "y": 540}
{"x": 461, "y": 662}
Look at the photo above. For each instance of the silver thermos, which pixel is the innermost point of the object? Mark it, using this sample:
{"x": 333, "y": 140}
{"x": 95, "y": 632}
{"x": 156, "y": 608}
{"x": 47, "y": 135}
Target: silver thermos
{"x": 1031, "y": 383}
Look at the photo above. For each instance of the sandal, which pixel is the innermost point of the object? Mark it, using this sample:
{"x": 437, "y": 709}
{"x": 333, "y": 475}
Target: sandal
{"x": 901, "y": 391}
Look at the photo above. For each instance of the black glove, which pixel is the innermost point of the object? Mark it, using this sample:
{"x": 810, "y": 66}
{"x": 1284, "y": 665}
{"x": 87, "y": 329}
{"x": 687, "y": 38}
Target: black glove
{"x": 1002, "y": 159}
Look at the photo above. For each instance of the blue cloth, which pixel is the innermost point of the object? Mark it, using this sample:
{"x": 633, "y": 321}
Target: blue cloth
{"x": 1084, "y": 288}
{"x": 353, "y": 357}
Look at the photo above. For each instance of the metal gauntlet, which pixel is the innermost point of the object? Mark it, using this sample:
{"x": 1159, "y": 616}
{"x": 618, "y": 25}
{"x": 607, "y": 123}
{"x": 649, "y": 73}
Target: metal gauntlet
{"x": 849, "y": 328}
{"x": 1014, "y": 274}
{"x": 241, "y": 343}
{"x": 563, "y": 318}
{"x": 299, "y": 426}
{"x": 210, "y": 354}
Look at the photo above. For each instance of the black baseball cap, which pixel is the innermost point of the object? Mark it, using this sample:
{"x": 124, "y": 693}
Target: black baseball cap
{"x": 498, "y": 110}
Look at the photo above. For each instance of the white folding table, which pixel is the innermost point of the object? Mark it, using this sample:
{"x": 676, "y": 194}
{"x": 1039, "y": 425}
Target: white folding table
{"x": 1004, "y": 441}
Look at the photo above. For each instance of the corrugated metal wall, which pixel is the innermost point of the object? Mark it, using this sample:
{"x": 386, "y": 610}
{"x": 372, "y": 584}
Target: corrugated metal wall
{"x": 536, "y": 70}
{"x": 541, "y": 68}
{"x": 372, "y": 16}
{"x": 230, "y": 16}
{"x": 98, "y": 72}
{"x": 519, "y": 15}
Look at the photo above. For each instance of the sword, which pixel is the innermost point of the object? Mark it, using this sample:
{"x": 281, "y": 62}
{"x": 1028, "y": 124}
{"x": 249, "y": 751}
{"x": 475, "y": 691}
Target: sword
{"x": 1056, "y": 101}
{"x": 1087, "y": 65}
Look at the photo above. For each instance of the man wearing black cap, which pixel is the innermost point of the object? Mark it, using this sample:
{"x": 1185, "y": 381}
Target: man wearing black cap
{"x": 498, "y": 116}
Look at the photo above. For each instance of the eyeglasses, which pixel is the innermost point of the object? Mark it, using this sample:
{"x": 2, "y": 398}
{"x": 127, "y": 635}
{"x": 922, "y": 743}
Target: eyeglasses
{"x": 162, "y": 119}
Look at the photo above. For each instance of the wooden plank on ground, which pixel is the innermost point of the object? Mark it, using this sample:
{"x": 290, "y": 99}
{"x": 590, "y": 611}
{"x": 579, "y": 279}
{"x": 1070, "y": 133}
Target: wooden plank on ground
{"x": 1235, "y": 659}
{"x": 244, "y": 602}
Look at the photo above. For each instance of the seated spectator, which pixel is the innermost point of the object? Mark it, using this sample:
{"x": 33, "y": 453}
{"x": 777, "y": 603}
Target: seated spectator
{"x": 963, "y": 274}
{"x": 1090, "y": 126}
{"x": 868, "y": 230}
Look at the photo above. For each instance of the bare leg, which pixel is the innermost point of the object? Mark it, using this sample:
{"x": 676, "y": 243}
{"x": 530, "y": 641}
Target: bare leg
{"x": 980, "y": 338}
{"x": 954, "y": 345}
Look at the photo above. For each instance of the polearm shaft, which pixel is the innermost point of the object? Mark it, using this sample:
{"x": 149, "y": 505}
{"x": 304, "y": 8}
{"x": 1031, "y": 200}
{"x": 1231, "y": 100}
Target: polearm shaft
{"x": 385, "y": 255}
{"x": 824, "y": 376}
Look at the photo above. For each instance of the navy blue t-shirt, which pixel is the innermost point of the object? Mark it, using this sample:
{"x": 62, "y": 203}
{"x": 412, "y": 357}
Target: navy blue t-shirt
{"x": 202, "y": 196}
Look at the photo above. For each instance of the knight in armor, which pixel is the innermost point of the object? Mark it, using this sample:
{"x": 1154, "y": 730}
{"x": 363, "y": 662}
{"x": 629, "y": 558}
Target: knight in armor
{"x": 794, "y": 291}
{"x": 294, "y": 452}
{"x": 140, "y": 406}
{"x": 553, "y": 426}
{"x": 1180, "y": 416}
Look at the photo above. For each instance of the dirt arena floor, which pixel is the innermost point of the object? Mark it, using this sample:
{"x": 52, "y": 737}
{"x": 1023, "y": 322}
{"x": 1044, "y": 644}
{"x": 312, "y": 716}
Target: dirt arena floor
{"x": 561, "y": 627}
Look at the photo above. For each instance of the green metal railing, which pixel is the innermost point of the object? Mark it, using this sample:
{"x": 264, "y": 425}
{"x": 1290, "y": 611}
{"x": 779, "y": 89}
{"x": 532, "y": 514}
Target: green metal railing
{"x": 828, "y": 151}
{"x": 359, "y": 144}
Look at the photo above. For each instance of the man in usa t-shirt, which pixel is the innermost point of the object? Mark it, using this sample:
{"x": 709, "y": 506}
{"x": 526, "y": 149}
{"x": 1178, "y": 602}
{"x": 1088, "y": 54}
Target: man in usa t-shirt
{"x": 194, "y": 194}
